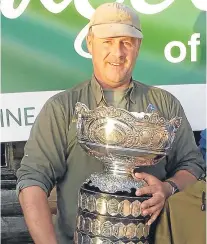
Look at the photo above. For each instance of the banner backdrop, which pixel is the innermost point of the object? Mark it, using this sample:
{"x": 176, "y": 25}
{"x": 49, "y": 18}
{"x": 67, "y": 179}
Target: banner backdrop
{"x": 44, "y": 51}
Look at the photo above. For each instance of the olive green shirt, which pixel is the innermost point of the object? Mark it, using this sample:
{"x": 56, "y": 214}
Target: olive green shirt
{"x": 54, "y": 157}
{"x": 115, "y": 98}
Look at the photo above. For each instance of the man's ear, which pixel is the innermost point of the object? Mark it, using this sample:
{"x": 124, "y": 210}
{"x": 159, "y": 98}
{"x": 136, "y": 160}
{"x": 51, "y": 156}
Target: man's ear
{"x": 139, "y": 42}
{"x": 139, "y": 46}
{"x": 89, "y": 39}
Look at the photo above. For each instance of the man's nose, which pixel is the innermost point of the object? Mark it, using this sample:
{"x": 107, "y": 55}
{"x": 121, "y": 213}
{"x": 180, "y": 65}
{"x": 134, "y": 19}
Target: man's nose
{"x": 117, "y": 50}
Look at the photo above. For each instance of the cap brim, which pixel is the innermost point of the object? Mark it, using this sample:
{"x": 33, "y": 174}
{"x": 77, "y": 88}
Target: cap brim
{"x": 115, "y": 30}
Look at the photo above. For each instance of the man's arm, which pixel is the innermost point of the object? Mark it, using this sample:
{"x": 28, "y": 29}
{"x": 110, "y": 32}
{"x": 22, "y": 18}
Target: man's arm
{"x": 184, "y": 166}
{"x": 182, "y": 179}
{"x": 43, "y": 164}
{"x": 37, "y": 215}
{"x": 184, "y": 155}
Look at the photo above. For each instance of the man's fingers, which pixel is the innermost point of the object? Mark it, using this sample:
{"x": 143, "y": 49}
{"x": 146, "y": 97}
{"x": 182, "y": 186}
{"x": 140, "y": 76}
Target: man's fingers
{"x": 150, "y": 202}
{"x": 152, "y": 210}
{"x": 150, "y": 179}
{"x": 146, "y": 190}
{"x": 153, "y": 217}
{"x": 142, "y": 175}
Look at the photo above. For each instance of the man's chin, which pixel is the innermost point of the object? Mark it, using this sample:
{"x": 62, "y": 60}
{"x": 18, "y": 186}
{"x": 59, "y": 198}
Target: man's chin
{"x": 116, "y": 81}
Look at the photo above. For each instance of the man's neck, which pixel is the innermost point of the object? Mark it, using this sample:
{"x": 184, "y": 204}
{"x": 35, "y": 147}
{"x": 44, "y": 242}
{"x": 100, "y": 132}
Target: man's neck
{"x": 118, "y": 86}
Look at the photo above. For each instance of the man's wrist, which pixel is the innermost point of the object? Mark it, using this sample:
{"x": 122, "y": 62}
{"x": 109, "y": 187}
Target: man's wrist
{"x": 174, "y": 187}
{"x": 168, "y": 189}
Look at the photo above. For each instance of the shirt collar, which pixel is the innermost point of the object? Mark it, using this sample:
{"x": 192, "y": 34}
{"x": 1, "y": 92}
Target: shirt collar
{"x": 99, "y": 95}
{"x": 97, "y": 90}
{"x": 131, "y": 92}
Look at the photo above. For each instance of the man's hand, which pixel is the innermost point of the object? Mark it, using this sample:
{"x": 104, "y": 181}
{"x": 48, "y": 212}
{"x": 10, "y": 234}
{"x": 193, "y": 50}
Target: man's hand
{"x": 159, "y": 190}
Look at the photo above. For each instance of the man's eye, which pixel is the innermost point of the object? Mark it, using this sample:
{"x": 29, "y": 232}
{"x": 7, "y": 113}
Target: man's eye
{"x": 107, "y": 42}
{"x": 128, "y": 44}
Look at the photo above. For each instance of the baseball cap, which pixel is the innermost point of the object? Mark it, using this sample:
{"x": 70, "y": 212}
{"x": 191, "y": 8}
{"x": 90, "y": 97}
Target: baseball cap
{"x": 115, "y": 19}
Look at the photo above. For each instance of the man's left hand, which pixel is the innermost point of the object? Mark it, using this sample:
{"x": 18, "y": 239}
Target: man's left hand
{"x": 159, "y": 191}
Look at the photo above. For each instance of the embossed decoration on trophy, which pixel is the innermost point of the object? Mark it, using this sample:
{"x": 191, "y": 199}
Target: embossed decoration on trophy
{"x": 108, "y": 209}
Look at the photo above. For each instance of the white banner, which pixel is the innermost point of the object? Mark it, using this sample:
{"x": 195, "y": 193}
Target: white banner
{"x": 19, "y": 110}
{"x": 18, "y": 113}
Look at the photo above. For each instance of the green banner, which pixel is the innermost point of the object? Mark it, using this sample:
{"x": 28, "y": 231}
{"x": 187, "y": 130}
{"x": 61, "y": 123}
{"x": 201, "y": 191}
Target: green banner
{"x": 38, "y": 51}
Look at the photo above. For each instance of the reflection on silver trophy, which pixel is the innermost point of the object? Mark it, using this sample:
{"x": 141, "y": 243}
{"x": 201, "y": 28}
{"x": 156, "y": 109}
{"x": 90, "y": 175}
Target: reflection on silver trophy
{"x": 108, "y": 209}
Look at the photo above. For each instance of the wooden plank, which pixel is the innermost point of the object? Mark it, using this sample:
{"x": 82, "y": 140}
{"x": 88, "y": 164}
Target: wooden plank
{"x": 14, "y": 230}
{"x": 8, "y": 184}
{"x": 10, "y": 205}
{"x": 13, "y": 226}
{"x": 7, "y": 174}
{"x": 8, "y": 179}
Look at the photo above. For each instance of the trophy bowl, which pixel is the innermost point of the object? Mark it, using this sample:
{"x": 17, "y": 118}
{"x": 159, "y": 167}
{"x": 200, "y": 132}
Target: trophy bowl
{"x": 108, "y": 209}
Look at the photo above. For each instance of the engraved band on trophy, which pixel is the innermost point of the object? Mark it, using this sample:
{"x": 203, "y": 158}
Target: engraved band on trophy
{"x": 108, "y": 209}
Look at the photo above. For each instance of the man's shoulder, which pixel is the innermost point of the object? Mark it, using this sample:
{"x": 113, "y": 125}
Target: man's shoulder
{"x": 156, "y": 91}
{"x": 68, "y": 94}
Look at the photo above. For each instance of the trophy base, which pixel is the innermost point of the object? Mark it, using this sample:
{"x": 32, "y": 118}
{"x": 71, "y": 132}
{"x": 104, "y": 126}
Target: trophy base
{"x": 87, "y": 239}
{"x": 105, "y": 218}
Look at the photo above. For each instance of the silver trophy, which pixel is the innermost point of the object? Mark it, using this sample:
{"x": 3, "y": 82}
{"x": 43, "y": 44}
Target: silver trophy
{"x": 108, "y": 209}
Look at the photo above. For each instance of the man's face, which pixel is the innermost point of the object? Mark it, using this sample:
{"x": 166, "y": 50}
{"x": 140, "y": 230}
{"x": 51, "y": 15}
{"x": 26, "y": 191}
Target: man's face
{"x": 113, "y": 59}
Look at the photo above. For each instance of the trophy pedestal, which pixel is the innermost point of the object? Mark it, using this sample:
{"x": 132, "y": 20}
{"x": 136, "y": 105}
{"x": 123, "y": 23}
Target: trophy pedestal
{"x": 105, "y": 218}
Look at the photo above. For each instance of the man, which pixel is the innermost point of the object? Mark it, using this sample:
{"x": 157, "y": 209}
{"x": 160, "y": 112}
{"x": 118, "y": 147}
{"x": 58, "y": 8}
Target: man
{"x": 52, "y": 154}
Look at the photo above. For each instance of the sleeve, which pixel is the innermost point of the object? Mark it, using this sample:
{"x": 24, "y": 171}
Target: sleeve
{"x": 44, "y": 160}
{"x": 184, "y": 155}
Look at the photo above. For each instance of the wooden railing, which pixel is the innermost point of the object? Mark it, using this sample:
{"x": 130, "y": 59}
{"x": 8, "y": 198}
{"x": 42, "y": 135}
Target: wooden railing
{"x": 13, "y": 226}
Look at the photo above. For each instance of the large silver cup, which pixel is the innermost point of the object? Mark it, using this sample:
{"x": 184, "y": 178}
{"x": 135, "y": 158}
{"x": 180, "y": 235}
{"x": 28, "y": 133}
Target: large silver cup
{"x": 108, "y": 209}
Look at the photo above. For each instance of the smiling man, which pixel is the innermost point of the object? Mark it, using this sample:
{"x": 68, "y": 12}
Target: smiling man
{"x": 114, "y": 41}
{"x": 116, "y": 59}
{"x": 52, "y": 154}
